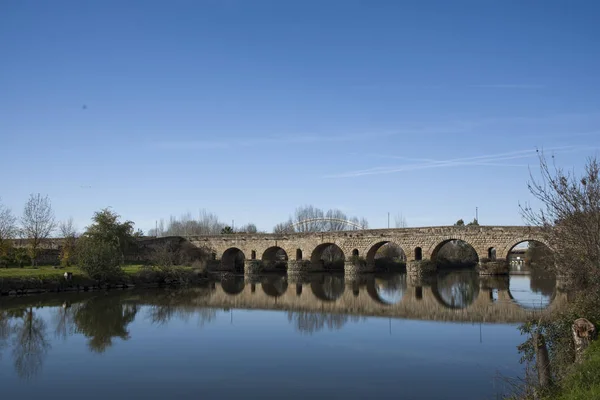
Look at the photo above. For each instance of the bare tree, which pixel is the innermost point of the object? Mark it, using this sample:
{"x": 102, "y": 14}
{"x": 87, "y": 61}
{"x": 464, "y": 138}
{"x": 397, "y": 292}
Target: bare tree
{"x": 37, "y": 222}
{"x": 312, "y": 219}
{"x": 400, "y": 221}
{"x": 69, "y": 234}
{"x": 67, "y": 228}
{"x": 206, "y": 224}
{"x": 248, "y": 228}
{"x": 284, "y": 227}
{"x": 8, "y": 230}
{"x": 569, "y": 217}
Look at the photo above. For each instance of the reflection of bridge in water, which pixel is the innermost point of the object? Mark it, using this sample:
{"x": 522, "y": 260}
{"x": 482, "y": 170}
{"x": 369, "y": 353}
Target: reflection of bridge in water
{"x": 457, "y": 296}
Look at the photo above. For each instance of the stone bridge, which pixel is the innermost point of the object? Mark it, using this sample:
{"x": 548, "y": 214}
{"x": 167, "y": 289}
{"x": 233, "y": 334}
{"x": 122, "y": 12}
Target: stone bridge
{"x": 303, "y": 251}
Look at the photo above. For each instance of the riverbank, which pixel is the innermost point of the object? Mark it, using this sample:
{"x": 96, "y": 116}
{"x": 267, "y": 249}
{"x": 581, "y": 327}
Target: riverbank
{"x": 22, "y": 281}
{"x": 583, "y": 382}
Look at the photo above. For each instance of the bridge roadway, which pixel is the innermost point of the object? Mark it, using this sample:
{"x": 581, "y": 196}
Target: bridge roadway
{"x": 490, "y": 301}
{"x": 492, "y": 243}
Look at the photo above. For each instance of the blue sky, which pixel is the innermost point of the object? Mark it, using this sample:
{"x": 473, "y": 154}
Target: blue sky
{"x": 251, "y": 108}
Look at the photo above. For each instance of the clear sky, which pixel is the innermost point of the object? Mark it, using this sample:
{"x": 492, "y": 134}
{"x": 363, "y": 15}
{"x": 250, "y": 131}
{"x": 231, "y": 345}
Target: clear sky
{"x": 251, "y": 108}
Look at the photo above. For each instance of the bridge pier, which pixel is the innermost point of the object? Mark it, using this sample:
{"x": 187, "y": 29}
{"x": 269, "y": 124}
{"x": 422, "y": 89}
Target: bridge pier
{"x": 357, "y": 267}
{"x": 420, "y": 268}
{"x": 252, "y": 267}
{"x": 496, "y": 267}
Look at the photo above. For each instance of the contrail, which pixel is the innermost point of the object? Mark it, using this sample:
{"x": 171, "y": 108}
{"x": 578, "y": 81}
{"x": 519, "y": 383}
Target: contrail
{"x": 487, "y": 160}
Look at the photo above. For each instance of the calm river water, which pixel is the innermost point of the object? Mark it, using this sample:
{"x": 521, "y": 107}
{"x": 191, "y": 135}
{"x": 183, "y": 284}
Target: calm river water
{"x": 454, "y": 336}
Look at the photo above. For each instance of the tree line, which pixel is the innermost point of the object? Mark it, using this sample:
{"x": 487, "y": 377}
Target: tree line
{"x": 313, "y": 219}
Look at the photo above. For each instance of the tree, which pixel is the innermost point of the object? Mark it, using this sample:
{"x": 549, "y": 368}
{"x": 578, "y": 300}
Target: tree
{"x": 248, "y": 228}
{"x": 101, "y": 249}
{"x": 400, "y": 221}
{"x": 284, "y": 227}
{"x": 8, "y": 230}
{"x": 312, "y": 219}
{"x": 108, "y": 229}
{"x": 227, "y": 231}
{"x": 460, "y": 222}
{"x": 473, "y": 223}
{"x": 98, "y": 259}
{"x": 37, "y": 223}
{"x": 206, "y": 224}
{"x": 569, "y": 217}
{"x": 69, "y": 234}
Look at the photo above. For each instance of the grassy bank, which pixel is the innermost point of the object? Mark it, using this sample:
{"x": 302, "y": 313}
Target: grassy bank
{"x": 583, "y": 382}
{"x": 48, "y": 271}
{"x": 18, "y": 281}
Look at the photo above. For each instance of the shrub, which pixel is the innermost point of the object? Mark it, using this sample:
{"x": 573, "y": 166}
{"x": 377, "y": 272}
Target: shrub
{"x": 99, "y": 260}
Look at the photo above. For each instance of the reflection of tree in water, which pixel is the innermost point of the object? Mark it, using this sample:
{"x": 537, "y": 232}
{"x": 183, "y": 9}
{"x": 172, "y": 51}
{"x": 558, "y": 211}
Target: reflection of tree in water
{"x": 458, "y": 289}
{"x": 63, "y": 319}
{"x": 542, "y": 282}
{"x": 103, "y": 318}
{"x": 5, "y": 329}
{"x": 30, "y": 344}
{"x": 309, "y": 323}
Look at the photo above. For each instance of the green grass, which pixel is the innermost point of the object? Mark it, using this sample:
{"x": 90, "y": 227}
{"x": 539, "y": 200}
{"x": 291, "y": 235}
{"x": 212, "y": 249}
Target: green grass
{"x": 47, "y": 271}
{"x": 584, "y": 381}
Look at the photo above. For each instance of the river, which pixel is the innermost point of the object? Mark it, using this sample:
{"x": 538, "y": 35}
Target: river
{"x": 453, "y": 336}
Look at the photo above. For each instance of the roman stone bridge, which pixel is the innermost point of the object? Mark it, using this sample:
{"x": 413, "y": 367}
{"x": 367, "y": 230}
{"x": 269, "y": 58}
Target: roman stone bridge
{"x": 305, "y": 251}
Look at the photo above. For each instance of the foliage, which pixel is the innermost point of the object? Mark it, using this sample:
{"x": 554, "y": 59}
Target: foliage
{"x": 556, "y": 329}
{"x": 583, "y": 382}
{"x": 99, "y": 259}
{"x": 107, "y": 229}
{"x": 569, "y": 218}
{"x": 37, "y": 222}
{"x": 461, "y": 222}
{"x": 227, "y": 231}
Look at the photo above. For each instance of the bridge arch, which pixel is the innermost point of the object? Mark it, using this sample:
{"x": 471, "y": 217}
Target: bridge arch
{"x": 543, "y": 246}
{"x": 386, "y": 254}
{"x": 233, "y": 259}
{"x": 328, "y": 256}
{"x": 462, "y": 252}
{"x": 275, "y": 258}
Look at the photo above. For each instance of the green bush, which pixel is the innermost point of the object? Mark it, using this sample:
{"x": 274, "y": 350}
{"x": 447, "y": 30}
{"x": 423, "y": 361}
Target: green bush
{"x": 99, "y": 260}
